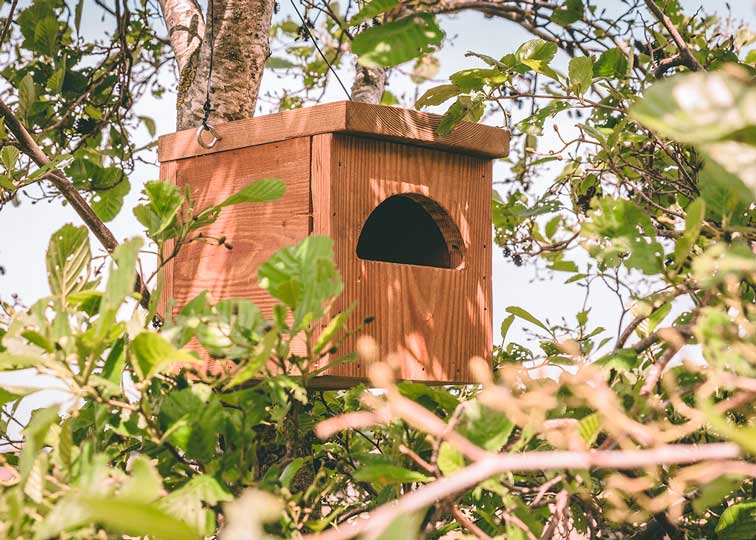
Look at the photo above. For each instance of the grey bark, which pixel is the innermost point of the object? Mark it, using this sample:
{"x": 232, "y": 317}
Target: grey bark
{"x": 368, "y": 84}
{"x": 241, "y": 48}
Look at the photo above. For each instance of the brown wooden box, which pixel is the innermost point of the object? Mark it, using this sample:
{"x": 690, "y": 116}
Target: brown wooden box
{"x": 385, "y": 187}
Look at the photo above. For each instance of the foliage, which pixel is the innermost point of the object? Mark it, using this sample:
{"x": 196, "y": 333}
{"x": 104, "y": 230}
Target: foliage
{"x": 582, "y": 429}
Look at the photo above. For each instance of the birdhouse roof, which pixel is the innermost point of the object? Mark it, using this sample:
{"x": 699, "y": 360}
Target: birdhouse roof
{"x": 376, "y": 121}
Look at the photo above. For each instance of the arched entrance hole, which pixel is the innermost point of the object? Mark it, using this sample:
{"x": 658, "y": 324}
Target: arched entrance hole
{"x": 411, "y": 229}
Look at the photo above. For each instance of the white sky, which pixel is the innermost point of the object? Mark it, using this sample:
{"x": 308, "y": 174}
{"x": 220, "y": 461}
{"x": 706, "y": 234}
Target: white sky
{"x": 26, "y": 229}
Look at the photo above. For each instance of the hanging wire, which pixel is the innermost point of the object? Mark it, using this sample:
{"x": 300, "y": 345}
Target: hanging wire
{"x": 207, "y": 107}
{"x": 323, "y": 56}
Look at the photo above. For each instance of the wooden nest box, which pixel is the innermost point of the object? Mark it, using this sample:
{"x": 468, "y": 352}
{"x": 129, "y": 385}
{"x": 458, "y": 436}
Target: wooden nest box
{"x": 409, "y": 212}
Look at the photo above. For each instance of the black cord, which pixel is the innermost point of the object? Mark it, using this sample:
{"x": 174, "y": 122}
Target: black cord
{"x": 315, "y": 43}
{"x": 207, "y": 107}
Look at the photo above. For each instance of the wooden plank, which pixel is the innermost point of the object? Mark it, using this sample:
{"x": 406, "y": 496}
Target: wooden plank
{"x": 378, "y": 121}
{"x": 406, "y": 125}
{"x": 167, "y": 174}
{"x": 254, "y": 230}
{"x": 433, "y": 319}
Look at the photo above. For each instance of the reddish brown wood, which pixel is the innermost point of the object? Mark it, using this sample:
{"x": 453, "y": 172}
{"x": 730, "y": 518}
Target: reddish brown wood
{"x": 254, "y": 230}
{"x": 378, "y": 121}
{"x": 433, "y": 319}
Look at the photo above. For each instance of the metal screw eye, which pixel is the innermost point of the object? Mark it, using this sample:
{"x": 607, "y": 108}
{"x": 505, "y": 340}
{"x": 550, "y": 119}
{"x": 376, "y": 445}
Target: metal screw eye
{"x": 214, "y": 134}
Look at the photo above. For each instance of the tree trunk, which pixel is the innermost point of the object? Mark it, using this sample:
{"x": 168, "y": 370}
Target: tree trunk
{"x": 240, "y": 50}
{"x": 368, "y": 84}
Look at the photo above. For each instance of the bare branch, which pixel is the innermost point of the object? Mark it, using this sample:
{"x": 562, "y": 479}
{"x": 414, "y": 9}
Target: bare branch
{"x": 495, "y": 464}
{"x": 29, "y": 146}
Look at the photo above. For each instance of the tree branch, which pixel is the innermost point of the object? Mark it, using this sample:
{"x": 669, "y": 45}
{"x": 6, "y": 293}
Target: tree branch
{"x": 686, "y": 57}
{"x": 495, "y": 464}
{"x": 29, "y": 146}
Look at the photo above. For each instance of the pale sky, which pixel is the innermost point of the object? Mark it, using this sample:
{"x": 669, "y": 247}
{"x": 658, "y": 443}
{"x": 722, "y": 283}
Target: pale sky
{"x": 27, "y": 229}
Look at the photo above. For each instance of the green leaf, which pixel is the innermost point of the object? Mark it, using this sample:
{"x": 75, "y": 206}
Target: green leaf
{"x": 398, "y": 41}
{"x": 406, "y": 526}
{"x": 121, "y": 277}
{"x": 68, "y": 258}
{"x": 9, "y": 394}
{"x": 698, "y": 108}
{"x": 107, "y": 203}
{"x": 27, "y": 95}
{"x": 331, "y": 329}
{"x": 192, "y": 418}
{"x": 485, "y": 427}
{"x": 192, "y": 502}
{"x": 581, "y": 73}
{"x": 537, "y": 54}
{"x": 46, "y": 36}
{"x": 165, "y": 200}
{"x": 384, "y": 473}
{"x": 450, "y": 460}
{"x": 569, "y": 12}
{"x": 302, "y": 276}
{"x": 589, "y": 428}
{"x": 143, "y": 483}
{"x": 153, "y": 354}
{"x": 12, "y": 362}
{"x": 612, "y": 64}
{"x": 371, "y": 10}
{"x": 275, "y": 62}
{"x": 35, "y": 433}
{"x": 694, "y": 218}
{"x": 521, "y": 313}
{"x": 505, "y": 324}
{"x": 264, "y": 190}
{"x": 465, "y": 108}
{"x": 137, "y": 519}
{"x": 738, "y": 522}
{"x": 9, "y": 157}
{"x": 714, "y": 492}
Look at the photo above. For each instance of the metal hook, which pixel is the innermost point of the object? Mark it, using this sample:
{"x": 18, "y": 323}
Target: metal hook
{"x": 209, "y": 128}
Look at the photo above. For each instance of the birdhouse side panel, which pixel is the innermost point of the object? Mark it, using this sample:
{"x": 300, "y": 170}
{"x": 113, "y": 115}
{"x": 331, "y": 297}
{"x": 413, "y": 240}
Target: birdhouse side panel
{"x": 432, "y": 319}
{"x": 253, "y": 230}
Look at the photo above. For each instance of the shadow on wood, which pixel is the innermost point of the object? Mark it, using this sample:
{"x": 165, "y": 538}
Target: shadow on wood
{"x": 409, "y": 212}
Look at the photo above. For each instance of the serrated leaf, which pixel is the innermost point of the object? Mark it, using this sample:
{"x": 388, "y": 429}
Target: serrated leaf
{"x": 68, "y": 258}
{"x": 191, "y": 501}
{"x": 302, "y": 276}
{"x": 581, "y": 73}
{"x": 437, "y": 95}
{"x": 738, "y": 522}
{"x": 612, "y": 64}
{"x": 107, "y": 203}
{"x": 9, "y": 157}
{"x": 152, "y": 354}
{"x": 27, "y": 95}
{"x": 398, "y": 41}
{"x": 569, "y": 12}
{"x": 371, "y": 10}
{"x": 264, "y": 190}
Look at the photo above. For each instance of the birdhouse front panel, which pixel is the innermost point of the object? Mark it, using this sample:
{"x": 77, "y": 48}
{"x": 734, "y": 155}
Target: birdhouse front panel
{"x": 409, "y": 212}
{"x": 254, "y": 231}
{"x": 412, "y": 229}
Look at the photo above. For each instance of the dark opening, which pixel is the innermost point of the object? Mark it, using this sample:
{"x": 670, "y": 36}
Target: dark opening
{"x": 411, "y": 229}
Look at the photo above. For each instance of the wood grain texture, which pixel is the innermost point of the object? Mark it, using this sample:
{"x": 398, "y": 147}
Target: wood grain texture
{"x": 254, "y": 230}
{"x": 434, "y": 320}
{"x": 167, "y": 174}
{"x": 342, "y": 117}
